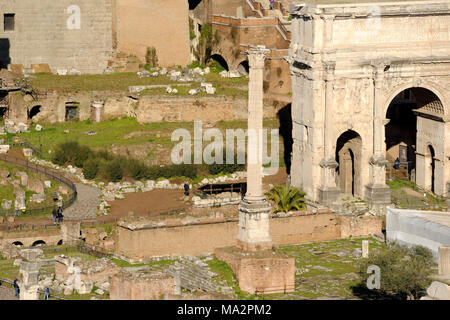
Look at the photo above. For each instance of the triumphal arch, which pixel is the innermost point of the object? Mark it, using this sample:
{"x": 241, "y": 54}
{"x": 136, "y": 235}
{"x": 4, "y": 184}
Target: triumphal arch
{"x": 371, "y": 82}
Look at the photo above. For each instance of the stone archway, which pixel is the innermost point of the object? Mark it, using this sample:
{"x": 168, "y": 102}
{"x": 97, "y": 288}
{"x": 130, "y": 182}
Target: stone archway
{"x": 348, "y": 157}
{"x": 415, "y": 120}
{"x": 221, "y": 60}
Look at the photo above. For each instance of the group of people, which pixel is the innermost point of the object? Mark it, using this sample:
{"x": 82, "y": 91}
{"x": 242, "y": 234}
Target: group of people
{"x": 17, "y": 290}
{"x": 57, "y": 215}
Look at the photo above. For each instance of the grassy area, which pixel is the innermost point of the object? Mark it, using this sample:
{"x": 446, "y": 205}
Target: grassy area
{"x": 403, "y": 199}
{"x": 121, "y": 82}
{"x": 7, "y": 190}
{"x": 323, "y": 270}
{"x": 155, "y": 137}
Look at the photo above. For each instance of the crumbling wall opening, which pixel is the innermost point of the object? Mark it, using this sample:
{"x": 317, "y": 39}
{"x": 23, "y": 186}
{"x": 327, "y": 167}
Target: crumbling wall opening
{"x": 193, "y": 4}
{"x": 72, "y": 111}
{"x": 244, "y": 68}
{"x": 3, "y": 112}
{"x": 38, "y": 243}
{"x": 60, "y": 242}
{"x": 18, "y": 244}
{"x": 221, "y": 60}
{"x": 34, "y": 111}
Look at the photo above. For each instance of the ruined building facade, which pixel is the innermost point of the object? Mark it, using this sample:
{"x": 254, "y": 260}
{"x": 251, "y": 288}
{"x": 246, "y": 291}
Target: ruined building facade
{"x": 370, "y": 83}
{"x": 90, "y": 36}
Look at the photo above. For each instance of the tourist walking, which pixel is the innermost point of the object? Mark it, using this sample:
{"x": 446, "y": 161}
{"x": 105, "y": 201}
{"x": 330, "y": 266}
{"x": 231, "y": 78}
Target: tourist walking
{"x": 47, "y": 293}
{"x": 271, "y": 4}
{"x": 397, "y": 164}
{"x": 60, "y": 216}
{"x": 54, "y": 214}
{"x": 16, "y": 287}
{"x": 186, "y": 189}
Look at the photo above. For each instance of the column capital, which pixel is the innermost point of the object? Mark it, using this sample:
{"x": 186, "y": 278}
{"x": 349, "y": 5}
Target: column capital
{"x": 256, "y": 56}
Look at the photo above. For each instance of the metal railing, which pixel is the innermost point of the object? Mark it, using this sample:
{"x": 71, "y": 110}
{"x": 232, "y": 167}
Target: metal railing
{"x": 49, "y": 173}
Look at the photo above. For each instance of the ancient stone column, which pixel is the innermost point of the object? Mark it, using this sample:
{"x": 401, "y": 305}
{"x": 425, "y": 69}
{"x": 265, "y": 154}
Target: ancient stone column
{"x": 96, "y": 112}
{"x": 29, "y": 274}
{"x": 70, "y": 232}
{"x": 444, "y": 261}
{"x": 329, "y": 193}
{"x": 377, "y": 192}
{"x": 254, "y": 210}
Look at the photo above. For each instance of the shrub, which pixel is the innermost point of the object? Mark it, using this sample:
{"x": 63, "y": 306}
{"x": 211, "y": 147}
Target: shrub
{"x": 287, "y": 198}
{"x": 151, "y": 58}
{"x": 90, "y": 168}
{"x": 404, "y": 271}
{"x": 114, "y": 171}
{"x": 133, "y": 168}
{"x": 81, "y": 156}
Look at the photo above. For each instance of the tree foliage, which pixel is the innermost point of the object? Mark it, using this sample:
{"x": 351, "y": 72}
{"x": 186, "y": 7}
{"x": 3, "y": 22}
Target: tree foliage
{"x": 287, "y": 198}
{"x": 207, "y": 41}
{"x": 404, "y": 271}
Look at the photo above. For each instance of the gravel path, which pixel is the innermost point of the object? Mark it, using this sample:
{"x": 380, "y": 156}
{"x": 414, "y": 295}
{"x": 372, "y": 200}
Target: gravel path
{"x": 7, "y": 293}
{"x": 87, "y": 203}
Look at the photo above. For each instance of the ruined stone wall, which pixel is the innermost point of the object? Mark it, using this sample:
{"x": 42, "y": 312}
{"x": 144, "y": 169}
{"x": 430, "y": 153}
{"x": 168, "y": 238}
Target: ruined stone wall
{"x": 153, "y": 23}
{"x": 27, "y": 238}
{"x": 41, "y": 34}
{"x": 207, "y": 109}
{"x": 190, "y": 239}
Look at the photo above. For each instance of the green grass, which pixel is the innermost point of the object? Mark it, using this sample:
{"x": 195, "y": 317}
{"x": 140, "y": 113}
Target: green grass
{"x": 340, "y": 275}
{"x": 110, "y": 82}
{"x": 121, "y": 132}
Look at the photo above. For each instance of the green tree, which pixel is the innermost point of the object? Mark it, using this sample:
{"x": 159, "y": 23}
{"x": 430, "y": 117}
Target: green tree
{"x": 287, "y": 198}
{"x": 404, "y": 272}
{"x": 207, "y": 41}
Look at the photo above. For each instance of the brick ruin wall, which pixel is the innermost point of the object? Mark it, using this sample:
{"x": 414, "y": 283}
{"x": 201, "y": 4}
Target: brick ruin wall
{"x": 190, "y": 239}
{"x": 145, "y": 109}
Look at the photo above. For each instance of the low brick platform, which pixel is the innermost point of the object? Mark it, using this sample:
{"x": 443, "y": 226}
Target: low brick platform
{"x": 267, "y": 271}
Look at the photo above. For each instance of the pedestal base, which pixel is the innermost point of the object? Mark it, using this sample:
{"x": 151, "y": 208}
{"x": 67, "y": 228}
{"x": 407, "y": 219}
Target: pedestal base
{"x": 329, "y": 196}
{"x": 378, "y": 197}
{"x": 254, "y": 216}
{"x": 261, "y": 272}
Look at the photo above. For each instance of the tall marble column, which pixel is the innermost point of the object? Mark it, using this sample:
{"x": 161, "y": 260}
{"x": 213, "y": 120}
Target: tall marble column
{"x": 254, "y": 210}
{"x": 377, "y": 192}
{"x": 329, "y": 193}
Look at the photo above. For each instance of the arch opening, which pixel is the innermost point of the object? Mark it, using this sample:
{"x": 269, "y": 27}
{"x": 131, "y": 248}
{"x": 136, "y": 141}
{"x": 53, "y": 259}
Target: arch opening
{"x": 18, "y": 244}
{"x": 348, "y": 157}
{"x": 34, "y": 111}
{"x": 244, "y": 68}
{"x": 194, "y": 3}
{"x": 220, "y": 60}
{"x": 401, "y": 130}
{"x": 38, "y": 243}
{"x": 72, "y": 111}
{"x": 60, "y": 242}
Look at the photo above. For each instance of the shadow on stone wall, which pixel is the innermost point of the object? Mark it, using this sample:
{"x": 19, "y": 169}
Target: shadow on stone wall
{"x": 5, "y": 58}
{"x": 285, "y": 120}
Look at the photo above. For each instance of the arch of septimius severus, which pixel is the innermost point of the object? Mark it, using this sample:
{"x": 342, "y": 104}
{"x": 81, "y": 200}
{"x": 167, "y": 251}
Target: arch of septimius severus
{"x": 371, "y": 82}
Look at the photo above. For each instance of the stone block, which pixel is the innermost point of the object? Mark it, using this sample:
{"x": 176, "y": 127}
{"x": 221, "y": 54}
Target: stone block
{"x": 41, "y": 68}
{"x": 260, "y": 272}
{"x": 4, "y": 148}
{"x": 439, "y": 290}
{"x": 85, "y": 287}
{"x": 23, "y": 177}
{"x": 27, "y": 152}
{"x": 36, "y": 185}
{"x": 31, "y": 254}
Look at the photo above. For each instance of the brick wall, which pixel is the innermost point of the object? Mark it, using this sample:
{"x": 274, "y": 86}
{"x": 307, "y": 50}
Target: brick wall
{"x": 154, "y": 23}
{"x": 190, "y": 239}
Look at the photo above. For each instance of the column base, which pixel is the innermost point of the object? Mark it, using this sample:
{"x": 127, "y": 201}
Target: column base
{"x": 254, "y": 218}
{"x": 329, "y": 196}
{"x": 378, "y": 197}
{"x": 262, "y": 272}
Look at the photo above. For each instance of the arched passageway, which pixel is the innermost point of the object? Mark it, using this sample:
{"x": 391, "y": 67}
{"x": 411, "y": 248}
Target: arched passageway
{"x": 33, "y": 111}
{"x": 348, "y": 157}
{"x": 38, "y": 243}
{"x": 244, "y": 68}
{"x": 221, "y": 60}
{"x": 414, "y": 119}
{"x": 18, "y": 244}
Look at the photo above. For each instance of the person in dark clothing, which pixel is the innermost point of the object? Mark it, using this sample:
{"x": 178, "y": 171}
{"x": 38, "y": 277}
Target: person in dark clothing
{"x": 59, "y": 215}
{"x": 47, "y": 293}
{"x": 186, "y": 189}
{"x": 16, "y": 287}
{"x": 397, "y": 164}
{"x": 54, "y": 214}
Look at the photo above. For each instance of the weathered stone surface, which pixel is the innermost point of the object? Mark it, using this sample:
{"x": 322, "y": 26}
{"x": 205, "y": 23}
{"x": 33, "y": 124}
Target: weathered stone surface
{"x": 35, "y": 185}
{"x": 27, "y": 152}
{"x": 9, "y": 251}
{"x": 85, "y": 287}
{"x": 4, "y": 174}
{"x": 439, "y": 290}
{"x": 6, "y": 204}
{"x": 4, "y": 148}
{"x": 38, "y": 197}
{"x": 23, "y": 177}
